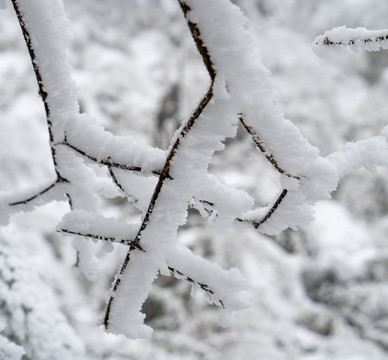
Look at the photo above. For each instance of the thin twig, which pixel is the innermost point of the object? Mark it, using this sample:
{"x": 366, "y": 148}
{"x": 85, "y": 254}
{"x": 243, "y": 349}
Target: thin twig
{"x": 112, "y": 239}
{"x": 196, "y": 34}
{"x": 327, "y": 41}
{"x": 118, "y": 184}
{"x": 255, "y": 223}
{"x": 25, "y": 201}
{"x": 204, "y": 287}
{"x": 70, "y": 201}
{"x": 106, "y": 162}
{"x": 43, "y": 94}
{"x": 33, "y": 197}
{"x": 256, "y": 139}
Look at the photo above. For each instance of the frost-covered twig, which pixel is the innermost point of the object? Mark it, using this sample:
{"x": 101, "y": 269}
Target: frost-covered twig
{"x": 196, "y": 34}
{"x": 359, "y": 38}
{"x": 257, "y": 223}
{"x": 111, "y": 239}
{"x": 256, "y": 139}
{"x": 371, "y": 152}
{"x": 42, "y": 92}
{"x": 33, "y": 197}
{"x": 82, "y": 222}
{"x": 109, "y": 162}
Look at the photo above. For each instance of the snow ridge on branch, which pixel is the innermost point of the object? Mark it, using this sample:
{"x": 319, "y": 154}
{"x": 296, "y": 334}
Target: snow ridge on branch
{"x": 359, "y": 38}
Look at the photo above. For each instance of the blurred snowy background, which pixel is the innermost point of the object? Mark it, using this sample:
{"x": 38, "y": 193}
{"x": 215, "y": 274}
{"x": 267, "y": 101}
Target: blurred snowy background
{"x": 319, "y": 293}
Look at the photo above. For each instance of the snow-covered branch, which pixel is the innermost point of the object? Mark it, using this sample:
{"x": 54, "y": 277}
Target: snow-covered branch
{"x": 371, "y": 152}
{"x": 256, "y": 139}
{"x": 105, "y": 161}
{"x": 163, "y": 184}
{"x": 359, "y": 38}
{"x": 20, "y": 11}
{"x": 82, "y": 223}
{"x": 166, "y": 175}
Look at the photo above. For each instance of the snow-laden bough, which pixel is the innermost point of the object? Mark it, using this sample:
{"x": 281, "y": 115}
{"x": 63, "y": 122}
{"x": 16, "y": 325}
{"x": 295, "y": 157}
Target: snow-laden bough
{"x": 163, "y": 184}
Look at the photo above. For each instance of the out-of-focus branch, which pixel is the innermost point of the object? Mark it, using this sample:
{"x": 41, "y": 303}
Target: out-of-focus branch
{"x": 360, "y": 38}
{"x": 204, "y": 287}
{"x": 33, "y": 197}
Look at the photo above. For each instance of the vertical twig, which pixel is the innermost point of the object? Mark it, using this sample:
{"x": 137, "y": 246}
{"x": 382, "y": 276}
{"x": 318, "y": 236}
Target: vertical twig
{"x": 43, "y": 94}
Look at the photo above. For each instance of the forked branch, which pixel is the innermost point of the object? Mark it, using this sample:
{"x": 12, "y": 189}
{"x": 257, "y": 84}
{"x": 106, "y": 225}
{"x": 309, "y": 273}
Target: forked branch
{"x": 165, "y": 173}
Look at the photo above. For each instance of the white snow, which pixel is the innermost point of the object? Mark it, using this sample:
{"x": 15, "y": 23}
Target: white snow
{"x": 243, "y": 87}
{"x": 8, "y": 349}
{"x": 81, "y": 221}
{"x": 360, "y": 38}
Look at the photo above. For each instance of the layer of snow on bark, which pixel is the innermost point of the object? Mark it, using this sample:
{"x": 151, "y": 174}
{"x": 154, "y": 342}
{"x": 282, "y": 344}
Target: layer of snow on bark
{"x": 359, "y": 38}
{"x": 48, "y": 29}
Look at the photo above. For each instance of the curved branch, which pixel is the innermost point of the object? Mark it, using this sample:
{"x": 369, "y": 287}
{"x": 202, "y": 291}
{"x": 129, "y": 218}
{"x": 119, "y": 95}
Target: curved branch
{"x": 33, "y": 197}
{"x": 43, "y": 94}
{"x": 42, "y": 192}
